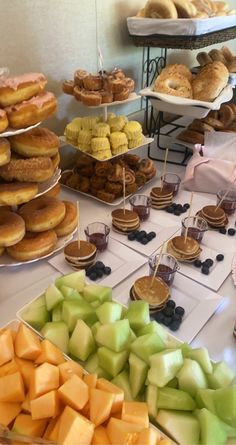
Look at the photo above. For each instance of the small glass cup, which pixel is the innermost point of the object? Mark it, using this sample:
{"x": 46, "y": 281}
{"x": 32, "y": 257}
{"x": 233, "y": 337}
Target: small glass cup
{"x": 197, "y": 227}
{"x": 141, "y": 204}
{"x": 171, "y": 183}
{"x": 229, "y": 202}
{"x": 97, "y": 233}
{"x": 166, "y": 269}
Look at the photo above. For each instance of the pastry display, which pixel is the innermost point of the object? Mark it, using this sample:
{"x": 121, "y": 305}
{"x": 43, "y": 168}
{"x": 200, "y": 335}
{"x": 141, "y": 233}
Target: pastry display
{"x": 184, "y": 250}
{"x": 161, "y": 198}
{"x": 39, "y": 141}
{"x": 102, "y": 88}
{"x": 124, "y": 221}
{"x": 214, "y": 216}
{"x": 184, "y": 9}
{"x": 154, "y": 291}
{"x": 80, "y": 255}
{"x": 223, "y": 55}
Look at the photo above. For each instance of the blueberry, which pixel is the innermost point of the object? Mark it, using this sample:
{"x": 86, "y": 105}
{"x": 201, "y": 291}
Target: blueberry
{"x": 153, "y": 234}
{"x": 149, "y": 237}
{"x": 93, "y": 276}
{"x": 140, "y": 235}
{"x": 184, "y": 209}
{"x": 144, "y": 240}
{"x": 107, "y": 270}
{"x": 177, "y": 212}
{"x": 180, "y": 310}
{"x": 205, "y": 270}
{"x": 197, "y": 263}
{"x": 168, "y": 311}
{"x": 208, "y": 262}
{"x": 131, "y": 236}
{"x": 99, "y": 273}
{"x": 222, "y": 230}
{"x": 177, "y": 317}
{"x": 219, "y": 257}
{"x": 169, "y": 209}
{"x": 231, "y": 232}
{"x": 179, "y": 207}
{"x": 99, "y": 265}
{"x": 171, "y": 303}
{"x": 159, "y": 317}
{"x": 174, "y": 205}
{"x": 174, "y": 325}
{"x": 186, "y": 205}
{"x": 88, "y": 272}
{"x": 167, "y": 321}
{"x": 143, "y": 233}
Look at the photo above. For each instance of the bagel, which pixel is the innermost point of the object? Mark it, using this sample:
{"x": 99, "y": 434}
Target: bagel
{"x": 215, "y": 123}
{"x": 210, "y": 81}
{"x": 174, "y": 85}
{"x": 17, "y": 193}
{"x": 201, "y": 127}
{"x": 185, "y": 9}
{"x": 232, "y": 66}
{"x": 3, "y": 121}
{"x": 217, "y": 55}
{"x": 176, "y": 68}
{"x": 36, "y": 142}
{"x": 42, "y": 214}
{"x": 191, "y": 136}
{"x": 33, "y": 245}
{"x": 5, "y": 151}
{"x": 227, "y": 53}
{"x": 55, "y": 161}
{"x": 17, "y": 89}
{"x": 27, "y": 170}
{"x": 12, "y": 228}
{"x": 160, "y": 9}
{"x": 69, "y": 223}
{"x": 226, "y": 114}
{"x": 203, "y": 58}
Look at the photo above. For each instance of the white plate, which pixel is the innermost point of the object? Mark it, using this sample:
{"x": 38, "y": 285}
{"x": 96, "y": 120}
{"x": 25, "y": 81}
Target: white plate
{"x": 7, "y": 261}
{"x": 199, "y": 303}
{"x": 115, "y": 256}
{"x": 44, "y": 187}
{"x": 12, "y": 132}
{"x": 131, "y": 98}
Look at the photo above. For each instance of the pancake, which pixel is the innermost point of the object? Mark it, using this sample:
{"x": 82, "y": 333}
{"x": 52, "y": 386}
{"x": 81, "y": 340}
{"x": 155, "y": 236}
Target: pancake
{"x": 124, "y": 215}
{"x": 161, "y": 198}
{"x": 124, "y": 221}
{"x": 215, "y": 217}
{"x": 184, "y": 251}
{"x": 155, "y": 295}
{"x": 80, "y": 258}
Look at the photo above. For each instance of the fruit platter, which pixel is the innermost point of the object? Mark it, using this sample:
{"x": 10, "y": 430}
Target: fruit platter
{"x": 188, "y": 396}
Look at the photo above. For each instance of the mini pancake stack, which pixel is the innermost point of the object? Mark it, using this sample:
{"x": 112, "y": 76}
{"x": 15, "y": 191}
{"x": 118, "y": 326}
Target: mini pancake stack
{"x": 161, "y": 198}
{"x": 80, "y": 257}
{"x": 185, "y": 251}
{"x": 156, "y": 293}
{"x": 215, "y": 217}
{"x": 124, "y": 221}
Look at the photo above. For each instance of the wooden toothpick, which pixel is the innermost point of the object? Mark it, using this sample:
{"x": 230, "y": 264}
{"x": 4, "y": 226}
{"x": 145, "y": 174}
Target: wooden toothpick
{"x": 157, "y": 264}
{"x": 164, "y": 167}
{"x": 123, "y": 171}
{"x": 78, "y": 225}
{"x": 188, "y": 220}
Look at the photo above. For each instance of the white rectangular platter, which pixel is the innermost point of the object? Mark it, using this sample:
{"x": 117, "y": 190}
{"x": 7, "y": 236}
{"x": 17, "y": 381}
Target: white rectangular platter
{"x": 199, "y": 303}
{"x": 122, "y": 260}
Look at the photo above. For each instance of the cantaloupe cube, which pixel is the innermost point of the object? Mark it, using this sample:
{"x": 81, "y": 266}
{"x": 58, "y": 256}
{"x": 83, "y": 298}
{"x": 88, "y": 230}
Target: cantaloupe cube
{"x": 90, "y": 380}
{"x": 6, "y": 346}
{"x": 52, "y": 426}
{"x": 27, "y": 344}
{"x": 26, "y": 368}
{"x": 122, "y": 433}
{"x": 45, "y": 406}
{"x": 12, "y": 388}
{"x": 8, "y": 412}
{"x": 85, "y": 410}
{"x": 69, "y": 368}
{"x": 9, "y": 368}
{"x": 25, "y": 425}
{"x": 100, "y": 436}
{"x": 50, "y": 354}
{"x": 148, "y": 436}
{"x": 164, "y": 441}
{"x": 74, "y": 428}
{"x": 118, "y": 393}
{"x": 74, "y": 392}
{"x": 135, "y": 412}
{"x": 25, "y": 406}
{"x": 45, "y": 378}
{"x": 100, "y": 405}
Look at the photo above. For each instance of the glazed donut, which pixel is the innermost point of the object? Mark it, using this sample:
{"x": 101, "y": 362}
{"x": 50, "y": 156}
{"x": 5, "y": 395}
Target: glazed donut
{"x": 203, "y": 58}
{"x": 42, "y": 214}
{"x": 36, "y": 142}
{"x": 176, "y": 68}
{"x": 32, "y": 111}
{"x": 5, "y": 151}
{"x": 185, "y": 9}
{"x": 33, "y": 245}
{"x": 217, "y": 56}
{"x": 12, "y": 228}
{"x": 174, "y": 85}
{"x": 215, "y": 123}
{"x": 123, "y": 95}
{"x": 92, "y": 83}
{"x": 91, "y": 98}
{"x": 210, "y": 81}
{"x": 54, "y": 191}
{"x": 79, "y": 77}
{"x": 160, "y": 9}
{"x": 227, "y": 53}
{"x": 27, "y": 170}
{"x": 226, "y": 114}
{"x": 17, "y": 89}
{"x": 146, "y": 166}
{"x": 1, "y": 250}
{"x": 194, "y": 137}
{"x": 68, "y": 87}
{"x": 69, "y": 223}
{"x": 3, "y": 121}
{"x": 55, "y": 161}
{"x": 77, "y": 92}
{"x": 17, "y": 193}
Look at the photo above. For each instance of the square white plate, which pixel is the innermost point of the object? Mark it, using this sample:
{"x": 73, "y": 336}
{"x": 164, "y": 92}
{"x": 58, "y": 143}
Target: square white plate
{"x": 122, "y": 260}
{"x": 199, "y": 303}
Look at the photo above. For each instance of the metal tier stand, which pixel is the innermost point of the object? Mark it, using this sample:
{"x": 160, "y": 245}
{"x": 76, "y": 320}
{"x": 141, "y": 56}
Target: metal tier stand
{"x": 152, "y": 67}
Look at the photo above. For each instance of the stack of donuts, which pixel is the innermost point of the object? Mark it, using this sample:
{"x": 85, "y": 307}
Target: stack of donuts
{"x": 223, "y": 55}
{"x": 101, "y": 88}
{"x": 23, "y": 101}
{"x": 33, "y": 231}
{"x": 104, "y": 180}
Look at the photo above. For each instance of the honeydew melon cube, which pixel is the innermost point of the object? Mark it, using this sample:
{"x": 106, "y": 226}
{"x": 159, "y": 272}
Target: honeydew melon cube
{"x": 212, "y": 432}
{"x": 36, "y": 316}
{"x": 201, "y": 356}
{"x": 221, "y": 376}
{"x": 173, "y": 383}
{"x": 191, "y": 377}
{"x": 76, "y": 280}
{"x": 94, "y": 292}
{"x": 137, "y": 374}
{"x": 112, "y": 362}
{"x": 186, "y": 349}
{"x": 151, "y": 400}
{"x": 93, "y": 367}
{"x": 164, "y": 366}
{"x": 225, "y": 404}
{"x": 81, "y": 343}
{"x": 70, "y": 294}
{"x": 122, "y": 381}
{"x": 205, "y": 399}
{"x": 109, "y": 312}
{"x": 115, "y": 336}
{"x": 53, "y": 296}
{"x": 57, "y": 313}
{"x": 124, "y": 311}
{"x": 94, "y": 327}
{"x": 75, "y": 310}
{"x": 154, "y": 328}
{"x": 182, "y": 426}
{"x": 170, "y": 398}
{"x": 57, "y": 332}
{"x": 95, "y": 304}
{"x": 138, "y": 314}
{"x": 132, "y": 336}
{"x": 147, "y": 345}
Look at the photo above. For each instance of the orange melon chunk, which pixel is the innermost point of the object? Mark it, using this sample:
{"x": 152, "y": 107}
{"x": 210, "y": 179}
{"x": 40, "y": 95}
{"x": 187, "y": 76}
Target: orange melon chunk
{"x": 25, "y": 406}
{"x": 149, "y": 436}
{"x": 12, "y": 388}
{"x": 122, "y": 433}
{"x": 74, "y": 428}
{"x": 74, "y": 392}
{"x": 100, "y": 436}
{"x": 25, "y": 425}
{"x": 85, "y": 410}
{"x": 118, "y": 393}
{"x": 52, "y": 429}
{"x": 69, "y": 368}
{"x": 100, "y": 406}
{"x": 27, "y": 344}
{"x": 26, "y": 368}
{"x": 47, "y": 405}
{"x": 50, "y": 354}
{"x": 90, "y": 380}
{"x": 8, "y": 412}
{"x": 45, "y": 378}
{"x": 6, "y": 346}
{"x": 9, "y": 368}
{"x": 135, "y": 412}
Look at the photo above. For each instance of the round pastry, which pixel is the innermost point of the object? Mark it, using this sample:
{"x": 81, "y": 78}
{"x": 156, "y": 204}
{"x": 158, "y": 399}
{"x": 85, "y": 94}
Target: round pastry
{"x": 203, "y": 58}
{"x": 176, "y": 68}
{"x": 130, "y": 189}
{"x": 227, "y": 54}
{"x": 79, "y": 77}
{"x": 118, "y": 73}
{"x": 114, "y": 187}
{"x": 129, "y": 83}
{"x": 55, "y": 161}
{"x": 129, "y": 177}
{"x": 217, "y": 55}
{"x": 106, "y": 196}
{"x": 5, "y": 151}
{"x": 12, "y": 228}
{"x": 146, "y": 166}
{"x": 17, "y": 193}
{"x": 107, "y": 97}
{"x": 98, "y": 182}
{"x": 18, "y": 89}
{"x": 116, "y": 174}
{"x": 102, "y": 168}
{"x": 160, "y": 9}
{"x": 91, "y": 98}
{"x": 32, "y": 111}
{"x": 123, "y": 95}
{"x": 194, "y": 137}
{"x": 210, "y": 81}
{"x": 3, "y": 121}
{"x": 69, "y": 223}
{"x": 185, "y": 9}
{"x": 38, "y": 169}
{"x": 36, "y": 142}
{"x": 1, "y": 250}
{"x": 54, "y": 191}
{"x": 140, "y": 178}
{"x": 201, "y": 127}
{"x": 132, "y": 160}
{"x": 92, "y": 83}
{"x": 77, "y": 92}
{"x": 33, "y": 245}
{"x": 232, "y": 66}
{"x": 68, "y": 87}
{"x": 101, "y": 130}
{"x": 42, "y": 214}
{"x": 215, "y": 123}
{"x": 115, "y": 85}
{"x": 175, "y": 85}
{"x": 226, "y": 114}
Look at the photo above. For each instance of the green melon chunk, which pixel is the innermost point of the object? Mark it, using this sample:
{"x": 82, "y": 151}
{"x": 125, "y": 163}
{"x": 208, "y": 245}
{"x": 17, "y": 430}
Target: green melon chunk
{"x": 94, "y": 327}
{"x": 92, "y": 366}
{"x": 147, "y": 345}
{"x": 36, "y": 316}
{"x": 122, "y": 380}
{"x": 225, "y": 404}
{"x": 170, "y": 398}
{"x": 95, "y": 304}
{"x": 109, "y": 312}
{"x": 81, "y": 343}
{"x": 75, "y": 310}
{"x": 138, "y": 314}
{"x": 115, "y": 336}
{"x": 112, "y": 362}
{"x": 39, "y": 302}
{"x": 76, "y": 280}
{"x": 53, "y": 297}
{"x": 212, "y": 432}
{"x": 173, "y": 383}
{"x": 186, "y": 349}
{"x": 191, "y": 377}
{"x": 95, "y": 292}
{"x": 205, "y": 399}
{"x": 154, "y": 328}
{"x": 137, "y": 374}
{"x": 57, "y": 313}
{"x": 201, "y": 356}
{"x": 151, "y": 400}
{"x": 57, "y": 332}
{"x": 182, "y": 426}
{"x": 164, "y": 366}
{"x": 132, "y": 336}
{"x": 70, "y": 294}
{"x": 221, "y": 376}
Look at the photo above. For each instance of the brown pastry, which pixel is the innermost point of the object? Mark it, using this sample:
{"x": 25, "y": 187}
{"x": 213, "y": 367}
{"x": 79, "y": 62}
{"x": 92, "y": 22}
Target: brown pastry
{"x": 140, "y": 178}
{"x": 129, "y": 83}
{"x": 77, "y": 92}
{"x": 87, "y": 170}
{"x": 193, "y": 137}
{"x": 105, "y": 196}
{"x": 107, "y": 96}
{"x": 216, "y": 55}
{"x": 84, "y": 184}
{"x": 228, "y": 55}
{"x": 131, "y": 188}
{"x": 215, "y": 123}
{"x": 116, "y": 174}
{"x": 79, "y": 76}
{"x": 91, "y": 98}
{"x": 132, "y": 160}
{"x": 118, "y": 73}
{"x": 97, "y": 182}
{"x": 203, "y": 58}
{"x": 232, "y": 66}
{"x": 68, "y": 87}
{"x": 201, "y": 127}
{"x": 226, "y": 114}
{"x": 103, "y": 168}
{"x": 73, "y": 181}
{"x": 210, "y": 81}
{"x": 84, "y": 160}
{"x": 114, "y": 188}
{"x": 123, "y": 95}
{"x": 92, "y": 83}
